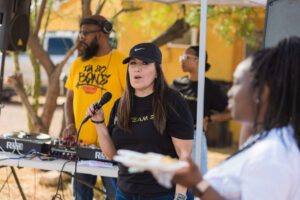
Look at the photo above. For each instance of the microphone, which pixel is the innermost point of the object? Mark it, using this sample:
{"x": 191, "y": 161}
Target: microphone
{"x": 104, "y": 99}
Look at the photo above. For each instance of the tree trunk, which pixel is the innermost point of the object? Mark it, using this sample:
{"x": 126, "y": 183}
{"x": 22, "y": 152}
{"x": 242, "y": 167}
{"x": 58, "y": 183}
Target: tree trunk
{"x": 99, "y": 7}
{"x": 173, "y": 32}
{"x": 53, "y": 88}
{"x": 16, "y": 62}
{"x": 16, "y": 82}
{"x": 37, "y": 80}
{"x": 51, "y": 98}
{"x": 42, "y": 124}
{"x": 39, "y": 52}
{"x": 86, "y": 8}
{"x": 36, "y": 89}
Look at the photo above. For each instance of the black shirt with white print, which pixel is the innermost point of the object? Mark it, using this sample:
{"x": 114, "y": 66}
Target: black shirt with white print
{"x": 214, "y": 98}
{"x": 144, "y": 137}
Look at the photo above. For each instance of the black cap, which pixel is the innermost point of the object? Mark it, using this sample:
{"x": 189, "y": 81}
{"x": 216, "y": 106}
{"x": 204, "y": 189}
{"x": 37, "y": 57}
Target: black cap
{"x": 147, "y": 52}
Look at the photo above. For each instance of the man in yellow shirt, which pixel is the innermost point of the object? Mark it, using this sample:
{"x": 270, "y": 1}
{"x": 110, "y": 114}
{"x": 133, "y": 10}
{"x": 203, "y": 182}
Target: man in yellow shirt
{"x": 98, "y": 70}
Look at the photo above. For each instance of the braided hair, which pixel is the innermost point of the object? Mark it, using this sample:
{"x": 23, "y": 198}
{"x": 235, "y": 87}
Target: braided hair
{"x": 279, "y": 68}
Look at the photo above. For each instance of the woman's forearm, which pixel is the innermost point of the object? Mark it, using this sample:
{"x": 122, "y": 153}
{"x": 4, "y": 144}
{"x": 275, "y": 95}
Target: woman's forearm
{"x": 105, "y": 141}
{"x": 180, "y": 189}
{"x": 183, "y": 149}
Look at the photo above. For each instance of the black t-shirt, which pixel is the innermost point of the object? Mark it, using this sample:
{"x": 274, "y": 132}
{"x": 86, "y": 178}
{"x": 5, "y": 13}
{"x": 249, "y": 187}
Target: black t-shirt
{"x": 144, "y": 138}
{"x": 214, "y": 98}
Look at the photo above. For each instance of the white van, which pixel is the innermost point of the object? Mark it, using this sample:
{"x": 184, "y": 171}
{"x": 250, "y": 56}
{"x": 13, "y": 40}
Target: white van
{"x": 56, "y": 44}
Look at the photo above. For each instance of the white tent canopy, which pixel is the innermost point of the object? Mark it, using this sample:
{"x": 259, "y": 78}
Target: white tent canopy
{"x": 213, "y": 2}
{"x": 202, "y": 50}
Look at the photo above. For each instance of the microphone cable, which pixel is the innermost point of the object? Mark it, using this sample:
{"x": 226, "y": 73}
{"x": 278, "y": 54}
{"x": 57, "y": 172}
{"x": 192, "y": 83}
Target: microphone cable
{"x": 77, "y": 158}
{"x": 104, "y": 99}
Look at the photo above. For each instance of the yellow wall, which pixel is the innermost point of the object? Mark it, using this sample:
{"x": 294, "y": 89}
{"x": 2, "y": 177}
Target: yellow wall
{"x": 222, "y": 56}
{"x": 67, "y": 17}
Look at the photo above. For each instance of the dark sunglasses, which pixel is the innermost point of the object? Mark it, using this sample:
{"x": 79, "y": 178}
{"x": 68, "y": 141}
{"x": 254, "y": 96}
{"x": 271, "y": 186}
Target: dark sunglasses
{"x": 83, "y": 34}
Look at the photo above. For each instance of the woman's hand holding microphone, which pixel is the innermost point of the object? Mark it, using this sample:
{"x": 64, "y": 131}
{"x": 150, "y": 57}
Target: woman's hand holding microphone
{"x": 97, "y": 115}
{"x": 95, "y": 112}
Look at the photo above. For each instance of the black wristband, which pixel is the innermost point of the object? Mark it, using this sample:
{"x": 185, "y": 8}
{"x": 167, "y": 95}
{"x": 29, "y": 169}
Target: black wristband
{"x": 97, "y": 122}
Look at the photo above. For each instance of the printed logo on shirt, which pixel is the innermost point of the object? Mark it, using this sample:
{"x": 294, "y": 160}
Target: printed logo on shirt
{"x": 189, "y": 98}
{"x": 93, "y": 78}
{"x": 142, "y": 118}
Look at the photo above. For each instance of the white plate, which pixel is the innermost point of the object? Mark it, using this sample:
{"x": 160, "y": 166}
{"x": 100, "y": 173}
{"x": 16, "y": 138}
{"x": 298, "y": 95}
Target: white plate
{"x": 148, "y": 161}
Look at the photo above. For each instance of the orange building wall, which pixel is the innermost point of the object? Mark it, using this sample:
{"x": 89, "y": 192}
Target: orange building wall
{"x": 221, "y": 55}
{"x": 67, "y": 17}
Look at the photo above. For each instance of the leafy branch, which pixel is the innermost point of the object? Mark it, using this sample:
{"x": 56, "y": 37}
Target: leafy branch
{"x": 229, "y": 21}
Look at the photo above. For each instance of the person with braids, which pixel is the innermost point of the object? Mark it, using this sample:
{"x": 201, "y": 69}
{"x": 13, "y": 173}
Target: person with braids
{"x": 149, "y": 117}
{"x": 265, "y": 95}
{"x": 215, "y": 100}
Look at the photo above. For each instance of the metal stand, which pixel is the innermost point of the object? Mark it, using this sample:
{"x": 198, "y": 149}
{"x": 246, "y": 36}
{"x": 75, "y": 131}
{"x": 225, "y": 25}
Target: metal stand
{"x": 1, "y": 77}
{"x": 18, "y": 183}
{"x": 13, "y": 172}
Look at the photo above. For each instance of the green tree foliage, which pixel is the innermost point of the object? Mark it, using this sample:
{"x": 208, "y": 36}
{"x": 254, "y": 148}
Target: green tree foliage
{"x": 229, "y": 21}
{"x": 153, "y": 18}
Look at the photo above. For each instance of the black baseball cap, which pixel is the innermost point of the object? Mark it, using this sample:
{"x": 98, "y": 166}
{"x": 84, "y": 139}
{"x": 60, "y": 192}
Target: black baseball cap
{"x": 147, "y": 52}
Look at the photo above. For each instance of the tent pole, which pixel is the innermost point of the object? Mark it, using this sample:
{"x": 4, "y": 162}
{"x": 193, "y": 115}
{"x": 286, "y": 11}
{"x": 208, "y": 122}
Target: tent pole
{"x": 201, "y": 82}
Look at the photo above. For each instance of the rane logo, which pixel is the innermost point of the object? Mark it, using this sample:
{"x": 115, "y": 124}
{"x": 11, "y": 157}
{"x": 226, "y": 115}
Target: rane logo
{"x": 99, "y": 155}
{"x": 14, "y": 146}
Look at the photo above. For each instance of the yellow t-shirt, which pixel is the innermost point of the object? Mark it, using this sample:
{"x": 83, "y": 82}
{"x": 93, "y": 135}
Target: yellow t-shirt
{"x": 89, "y": 80}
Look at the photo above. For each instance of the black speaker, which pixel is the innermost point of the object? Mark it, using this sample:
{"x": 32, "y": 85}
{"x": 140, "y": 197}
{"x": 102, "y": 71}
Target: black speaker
{"x": 282, "y": 20}
{"x": 14, "y": 24}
